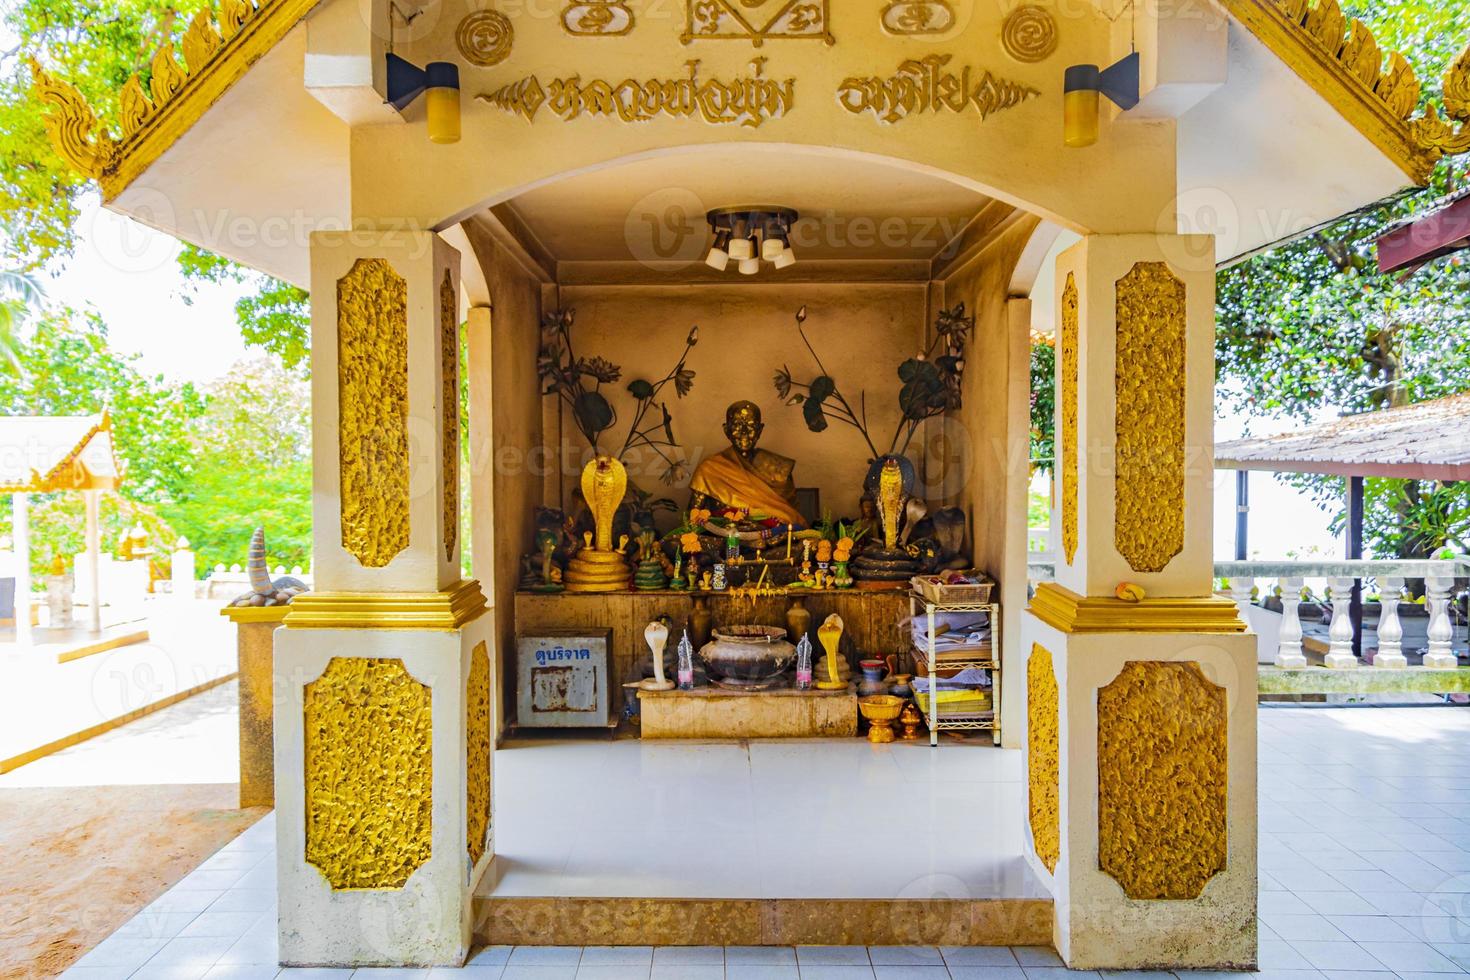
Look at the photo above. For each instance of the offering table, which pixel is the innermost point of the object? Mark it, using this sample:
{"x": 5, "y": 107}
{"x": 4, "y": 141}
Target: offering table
{"x": 871, "y": 618}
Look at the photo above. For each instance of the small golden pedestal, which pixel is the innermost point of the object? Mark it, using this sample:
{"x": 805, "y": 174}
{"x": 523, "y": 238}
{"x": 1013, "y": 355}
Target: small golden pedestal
{"x": 881, "y": 710}
{"x": 597, "y": 571}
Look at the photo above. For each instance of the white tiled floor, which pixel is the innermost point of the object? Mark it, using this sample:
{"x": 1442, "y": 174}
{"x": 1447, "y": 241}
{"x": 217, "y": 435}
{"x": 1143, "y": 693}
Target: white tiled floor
{"x": 1365, "y": 861}
{"x": 719, "y": 820}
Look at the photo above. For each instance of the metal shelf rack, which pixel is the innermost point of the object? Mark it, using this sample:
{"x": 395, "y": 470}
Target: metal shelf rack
{"x": 991, "y": 663}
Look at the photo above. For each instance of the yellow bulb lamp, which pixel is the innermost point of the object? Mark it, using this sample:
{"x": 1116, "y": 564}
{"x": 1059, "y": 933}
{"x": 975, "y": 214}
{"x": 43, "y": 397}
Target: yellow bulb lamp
{"x": 438, "y": 82}
{"x": 598, "y": 567}
{"x": 1084, "y": 86}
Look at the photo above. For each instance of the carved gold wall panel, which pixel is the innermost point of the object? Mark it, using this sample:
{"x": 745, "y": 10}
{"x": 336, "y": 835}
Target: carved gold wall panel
{"x": 597, "y": 18}
{"x": 1162, "y": 778}
{"x": 477, "y": 753}
{"x": 1069, "y": 368}
{"x": 747, "y": 100}
{"x": 757, "y": 21}
{"x": 485, "y": 37}
{"x": 1029, "y": 34}
{"x": 1148, "y": 520}
{"x": 368, "y": 772}
{"x": 927, "y": 85}
{"x": 1043, "y": 756}
{"x": 449, "y": 393}
{"x": 917, "y": 17}
{"x": 372, "y": 399}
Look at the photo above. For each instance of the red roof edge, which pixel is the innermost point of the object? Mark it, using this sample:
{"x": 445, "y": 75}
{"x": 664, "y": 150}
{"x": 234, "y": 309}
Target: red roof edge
{"x": 1433, "y": 236}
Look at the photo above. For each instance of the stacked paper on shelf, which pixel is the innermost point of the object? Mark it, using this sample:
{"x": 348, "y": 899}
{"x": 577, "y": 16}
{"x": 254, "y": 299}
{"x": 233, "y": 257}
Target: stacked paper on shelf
{"x": 973, "y": 677}
{"x": 953, "y": 631}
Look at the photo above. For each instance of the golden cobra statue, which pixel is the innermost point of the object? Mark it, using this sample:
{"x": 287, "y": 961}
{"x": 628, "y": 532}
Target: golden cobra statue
{"x": 830, "y": 634}
{"x": 597, "y": 567}
{"x": 890, "y": 501}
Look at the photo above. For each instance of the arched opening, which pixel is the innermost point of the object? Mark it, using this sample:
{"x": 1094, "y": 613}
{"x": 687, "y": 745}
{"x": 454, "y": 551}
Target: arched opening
{"x": 885, "y": 251}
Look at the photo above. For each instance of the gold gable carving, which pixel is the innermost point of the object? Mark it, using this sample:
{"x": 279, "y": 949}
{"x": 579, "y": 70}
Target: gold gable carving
{"x": 1162, "y": 746}
{"x": 368, "y": 773}
{"x": 152, "y": 118}
{"x": 1043, "y": 756}
{"x": 1148, "y": 486}
{"x": 372, "y": 407}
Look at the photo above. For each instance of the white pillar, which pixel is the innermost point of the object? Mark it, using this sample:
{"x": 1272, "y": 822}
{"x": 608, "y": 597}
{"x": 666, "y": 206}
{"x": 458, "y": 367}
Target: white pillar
{"x": 1241, "y": 589}
{"x": 1289, "y": 654}
{"x": 182, "y": 570}
{"x": 1340, "y": 650}
{"x": 94, "y": 561}
{"x": 1441, "y": 631}
{"x": 21, "y": 511}
{"x": 1390, "y": 629}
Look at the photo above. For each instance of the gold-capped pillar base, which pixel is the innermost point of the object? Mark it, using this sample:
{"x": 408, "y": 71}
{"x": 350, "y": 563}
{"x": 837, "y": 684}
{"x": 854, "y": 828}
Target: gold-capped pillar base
{"x": 382, "y": 713}
{"x": 1145, "y": 710}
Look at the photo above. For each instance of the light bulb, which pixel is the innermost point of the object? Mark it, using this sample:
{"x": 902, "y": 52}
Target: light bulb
{"x": 786, "y": 259}
{"x": 772, "y": 248}
{"x": 741, "y": 249}
{"x": 717, "y": 259}
{"x": 750, "y": 266}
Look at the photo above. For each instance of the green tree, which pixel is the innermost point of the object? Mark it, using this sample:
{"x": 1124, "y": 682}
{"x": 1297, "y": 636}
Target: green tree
{"x": 252, "y": 443}
{"x": 67, "y": 368}
{"x": 97, "y": 45}
{"x": 1313, "y": 325}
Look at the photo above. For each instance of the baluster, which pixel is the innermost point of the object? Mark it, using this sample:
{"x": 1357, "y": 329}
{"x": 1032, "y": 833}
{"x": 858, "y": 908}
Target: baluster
{"x": 1390, "y": 629}
{"x": 1241, "y": 590}
{"x": 1340, "y": 634}
{"x": 1441, "y": 632}
{"x": 1289, "y": 654}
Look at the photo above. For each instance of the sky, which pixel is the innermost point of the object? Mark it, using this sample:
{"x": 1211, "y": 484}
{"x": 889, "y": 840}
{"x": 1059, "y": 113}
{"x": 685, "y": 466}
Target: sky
{"x": 187, "y": 331}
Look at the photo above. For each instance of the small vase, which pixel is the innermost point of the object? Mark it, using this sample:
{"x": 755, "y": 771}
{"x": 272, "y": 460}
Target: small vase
{"x": 798, "y": 619}
{"x": 700, "y": 622}
{"x": 840, "y": 577}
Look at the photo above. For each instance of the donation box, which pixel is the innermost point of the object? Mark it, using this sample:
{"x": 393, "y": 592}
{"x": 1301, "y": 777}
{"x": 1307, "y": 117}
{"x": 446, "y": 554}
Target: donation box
{"x": 563, "y": 680}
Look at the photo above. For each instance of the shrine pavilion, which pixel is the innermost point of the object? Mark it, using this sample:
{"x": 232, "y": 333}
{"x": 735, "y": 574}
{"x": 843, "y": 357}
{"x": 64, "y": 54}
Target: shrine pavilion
{"x": 438, "y": 172}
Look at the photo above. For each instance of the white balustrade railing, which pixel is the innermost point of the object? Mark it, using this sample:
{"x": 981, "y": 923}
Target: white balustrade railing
{"x": 1247, "y": 580}
{"x": 1341, "y": 576}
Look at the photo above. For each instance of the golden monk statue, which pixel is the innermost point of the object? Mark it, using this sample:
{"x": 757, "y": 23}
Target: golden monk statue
{"x": 744, "y": 477}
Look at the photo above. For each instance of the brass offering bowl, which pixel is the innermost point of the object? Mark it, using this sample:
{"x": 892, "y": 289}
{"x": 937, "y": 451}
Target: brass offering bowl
{"x": 881, "y": 710}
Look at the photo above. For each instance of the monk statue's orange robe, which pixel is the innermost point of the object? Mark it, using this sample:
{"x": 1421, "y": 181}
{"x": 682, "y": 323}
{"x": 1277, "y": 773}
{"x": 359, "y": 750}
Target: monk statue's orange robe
{"x": 762, "y": 485}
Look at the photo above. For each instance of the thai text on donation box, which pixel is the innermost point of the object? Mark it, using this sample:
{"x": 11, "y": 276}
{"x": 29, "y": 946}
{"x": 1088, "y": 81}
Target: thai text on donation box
{"x": 563, "y": 680}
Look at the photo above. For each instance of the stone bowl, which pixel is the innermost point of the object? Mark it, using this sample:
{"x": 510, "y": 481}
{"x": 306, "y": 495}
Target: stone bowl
{"x": 749, "y": 657}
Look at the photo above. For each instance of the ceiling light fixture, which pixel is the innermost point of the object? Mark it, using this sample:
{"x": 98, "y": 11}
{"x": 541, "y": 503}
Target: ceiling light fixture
{"x": 749, "y": 235}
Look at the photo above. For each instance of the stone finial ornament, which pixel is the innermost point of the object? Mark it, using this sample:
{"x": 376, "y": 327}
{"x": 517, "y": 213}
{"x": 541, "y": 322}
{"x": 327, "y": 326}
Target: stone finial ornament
{"x": 263, "y": 591}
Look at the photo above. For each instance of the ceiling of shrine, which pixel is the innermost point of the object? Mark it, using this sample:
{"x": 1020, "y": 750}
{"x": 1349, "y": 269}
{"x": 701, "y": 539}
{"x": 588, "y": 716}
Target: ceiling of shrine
{"x": 654, "y": 207}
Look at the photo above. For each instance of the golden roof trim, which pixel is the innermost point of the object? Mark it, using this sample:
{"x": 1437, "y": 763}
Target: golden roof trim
{"x": 447, "y": 610}
{"x": 215, "y": 57}
{"x": 1069, "y": 612}
{"x": 61, "y": 477}
{"x": 1342, "y": 61}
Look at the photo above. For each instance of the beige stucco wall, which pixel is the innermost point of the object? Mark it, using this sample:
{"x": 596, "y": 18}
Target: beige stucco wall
{"x": 994, "y": 425}
{"x": 746, "y": 333}
{"x": 506, "y": 485}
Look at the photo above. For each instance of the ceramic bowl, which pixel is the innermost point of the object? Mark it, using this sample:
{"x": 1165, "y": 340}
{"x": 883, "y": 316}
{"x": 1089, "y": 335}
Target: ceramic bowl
{"x": 747, "y": 656}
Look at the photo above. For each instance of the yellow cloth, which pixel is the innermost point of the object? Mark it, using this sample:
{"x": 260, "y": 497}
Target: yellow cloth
{"x": 733, "y": 481}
